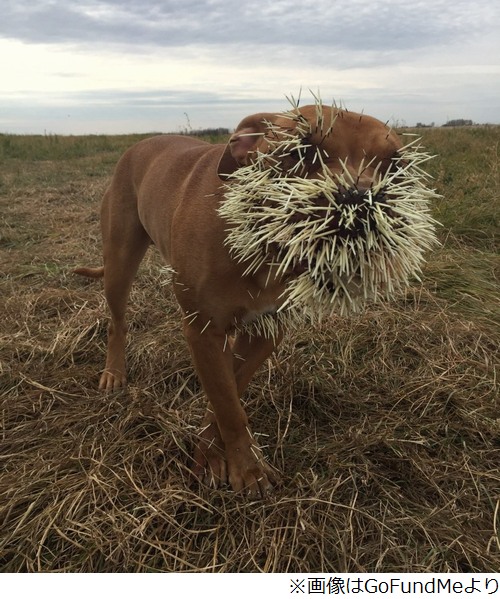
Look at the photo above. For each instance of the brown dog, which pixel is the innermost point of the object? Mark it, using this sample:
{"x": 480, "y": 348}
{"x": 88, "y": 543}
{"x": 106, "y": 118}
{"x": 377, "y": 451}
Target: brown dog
{"x": 166, "y": 191}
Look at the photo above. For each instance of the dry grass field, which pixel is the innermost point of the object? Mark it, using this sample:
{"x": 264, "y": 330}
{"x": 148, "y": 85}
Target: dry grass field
{"x": 385, "y": 426}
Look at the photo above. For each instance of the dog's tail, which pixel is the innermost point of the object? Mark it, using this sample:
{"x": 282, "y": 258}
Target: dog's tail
{"x": 92, "y": 273}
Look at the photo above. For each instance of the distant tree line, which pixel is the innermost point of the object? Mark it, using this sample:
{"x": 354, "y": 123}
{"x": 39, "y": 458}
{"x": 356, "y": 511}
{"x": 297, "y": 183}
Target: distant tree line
{"x": 452, "y": 123}
{"x": 213, "y": 132}
{"x": 458, "y": 123}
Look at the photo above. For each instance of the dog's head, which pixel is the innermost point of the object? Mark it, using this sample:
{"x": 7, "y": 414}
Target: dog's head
{"x": 331, "y": 198}
{"x": 292, "y": 140}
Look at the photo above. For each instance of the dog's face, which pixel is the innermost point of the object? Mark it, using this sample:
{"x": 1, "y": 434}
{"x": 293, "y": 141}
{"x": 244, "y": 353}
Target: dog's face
{"x": 329, "y": 197}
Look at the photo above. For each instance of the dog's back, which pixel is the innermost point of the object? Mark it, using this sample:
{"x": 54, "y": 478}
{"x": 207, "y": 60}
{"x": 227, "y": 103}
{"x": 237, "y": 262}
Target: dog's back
{"x": 155, "y": 176}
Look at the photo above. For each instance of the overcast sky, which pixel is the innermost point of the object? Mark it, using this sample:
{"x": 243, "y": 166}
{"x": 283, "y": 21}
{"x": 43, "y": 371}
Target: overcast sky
{"x": 121, "y": 66}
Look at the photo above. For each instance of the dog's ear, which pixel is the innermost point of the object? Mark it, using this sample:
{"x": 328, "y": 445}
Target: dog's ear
{"x": 245, "y": 140}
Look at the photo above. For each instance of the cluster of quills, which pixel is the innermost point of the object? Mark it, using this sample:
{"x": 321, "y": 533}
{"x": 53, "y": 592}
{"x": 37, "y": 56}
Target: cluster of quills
{"x": 337, "y": 247}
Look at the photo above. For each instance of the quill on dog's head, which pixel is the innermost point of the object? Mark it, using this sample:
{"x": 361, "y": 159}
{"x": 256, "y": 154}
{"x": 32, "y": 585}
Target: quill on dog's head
{"x": 340, "y": 231}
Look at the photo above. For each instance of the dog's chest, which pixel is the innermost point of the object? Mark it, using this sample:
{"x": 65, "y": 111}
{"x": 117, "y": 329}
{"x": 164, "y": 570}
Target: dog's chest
{"x": 266, "y": 322}
{"x": 254, "y": 315}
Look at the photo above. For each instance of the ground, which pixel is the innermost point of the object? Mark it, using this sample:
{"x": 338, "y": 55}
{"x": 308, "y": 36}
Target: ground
{"x": 385, "y": 426}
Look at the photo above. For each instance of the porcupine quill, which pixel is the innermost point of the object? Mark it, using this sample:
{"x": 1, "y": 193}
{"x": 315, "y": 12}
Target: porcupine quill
{"x": 359, "y": 247}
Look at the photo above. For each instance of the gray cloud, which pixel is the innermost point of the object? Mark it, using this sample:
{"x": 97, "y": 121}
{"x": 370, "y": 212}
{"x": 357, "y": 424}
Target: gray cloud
{"x": 355, "y": 25}
{"x": 218, "y": 60}
{"x": 113, "y": 111}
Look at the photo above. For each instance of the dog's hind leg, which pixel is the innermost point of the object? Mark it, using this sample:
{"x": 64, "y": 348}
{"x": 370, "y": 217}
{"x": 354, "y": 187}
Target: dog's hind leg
{"x": 124, "y": 244}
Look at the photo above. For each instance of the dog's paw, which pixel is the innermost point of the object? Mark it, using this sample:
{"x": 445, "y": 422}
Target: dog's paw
{"x": 112, "y": 380}
{"x": 249, "y": 473}
{"x": 243, "y": 467}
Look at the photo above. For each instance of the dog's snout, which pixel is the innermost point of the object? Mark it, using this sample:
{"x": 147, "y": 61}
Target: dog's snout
{"x": 352, "y": 195}
{"x": 349, "y": 210}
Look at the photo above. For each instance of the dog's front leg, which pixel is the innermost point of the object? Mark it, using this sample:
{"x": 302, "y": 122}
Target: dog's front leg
{"x": 238, "y": 459}
{"x": 249, "y": 352}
